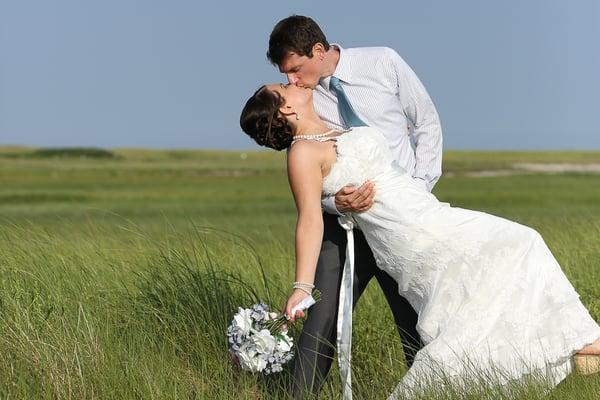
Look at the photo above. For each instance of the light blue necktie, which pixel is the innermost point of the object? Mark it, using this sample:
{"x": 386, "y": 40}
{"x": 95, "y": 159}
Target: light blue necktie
{"x": 346, "y": 111}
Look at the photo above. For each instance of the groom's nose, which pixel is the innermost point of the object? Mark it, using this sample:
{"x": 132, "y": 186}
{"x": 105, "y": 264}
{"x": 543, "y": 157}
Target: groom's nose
{"x": 292, "y": 79}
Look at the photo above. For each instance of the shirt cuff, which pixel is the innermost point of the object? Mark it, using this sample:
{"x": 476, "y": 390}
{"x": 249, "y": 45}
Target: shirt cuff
{"x": 328, "y": 205}
{"x": 422, "y": 183}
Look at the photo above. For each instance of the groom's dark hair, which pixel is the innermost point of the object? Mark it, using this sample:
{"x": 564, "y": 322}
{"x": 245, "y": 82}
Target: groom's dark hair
{"x": 295, "y": 34}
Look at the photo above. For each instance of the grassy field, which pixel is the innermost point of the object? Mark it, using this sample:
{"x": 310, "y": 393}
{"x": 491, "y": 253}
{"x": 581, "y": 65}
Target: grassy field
{"x": 119, "y": 273}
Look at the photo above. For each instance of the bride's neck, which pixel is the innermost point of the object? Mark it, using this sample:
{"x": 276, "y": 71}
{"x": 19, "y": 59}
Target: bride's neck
{"x": 311, "y": 126}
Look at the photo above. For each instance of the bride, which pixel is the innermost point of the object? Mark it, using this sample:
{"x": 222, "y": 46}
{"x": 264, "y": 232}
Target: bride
{"x": 489, "y": 294}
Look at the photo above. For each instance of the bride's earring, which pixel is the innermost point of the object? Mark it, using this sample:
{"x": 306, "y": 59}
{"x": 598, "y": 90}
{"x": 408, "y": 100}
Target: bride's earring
{"x": 297, "y": 116}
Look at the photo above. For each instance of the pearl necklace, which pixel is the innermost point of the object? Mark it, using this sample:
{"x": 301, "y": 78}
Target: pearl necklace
{"x": 318, "y": 136}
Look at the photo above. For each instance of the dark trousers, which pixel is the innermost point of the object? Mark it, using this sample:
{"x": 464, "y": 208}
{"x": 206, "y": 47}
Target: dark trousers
{"x": 316, "y": 345}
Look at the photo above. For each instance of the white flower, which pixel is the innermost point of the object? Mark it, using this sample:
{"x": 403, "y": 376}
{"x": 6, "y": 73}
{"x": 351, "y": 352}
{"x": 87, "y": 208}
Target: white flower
{"x": 285, "y": 344}
{"x": 255, "y": 349}
{"x": 276, "y": 368}
{"x": 243, "y": 320}
{"x": 252, "y": 361}
{"x": 264, "y": 341}
{"x": 259, "y": 363}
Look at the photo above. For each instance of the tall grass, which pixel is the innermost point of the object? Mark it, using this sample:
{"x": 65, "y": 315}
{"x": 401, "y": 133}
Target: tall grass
{"x": 91, "y": 327}
{"x": 116, "y": 283}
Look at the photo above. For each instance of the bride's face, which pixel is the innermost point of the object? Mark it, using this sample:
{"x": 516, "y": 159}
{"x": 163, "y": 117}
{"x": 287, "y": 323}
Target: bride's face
{"x": 295, "y": 98}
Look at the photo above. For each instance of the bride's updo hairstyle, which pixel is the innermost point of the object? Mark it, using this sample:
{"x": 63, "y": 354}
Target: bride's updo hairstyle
{"x": 262, "y": 121}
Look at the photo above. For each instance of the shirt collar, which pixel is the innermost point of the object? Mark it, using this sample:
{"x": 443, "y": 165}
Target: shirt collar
{"x": 343, "y": 69}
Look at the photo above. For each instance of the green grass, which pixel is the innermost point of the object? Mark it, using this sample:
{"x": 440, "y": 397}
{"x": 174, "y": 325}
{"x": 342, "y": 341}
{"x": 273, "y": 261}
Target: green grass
{"x": 118, "y": 276}
{"x": 472, "y": 161}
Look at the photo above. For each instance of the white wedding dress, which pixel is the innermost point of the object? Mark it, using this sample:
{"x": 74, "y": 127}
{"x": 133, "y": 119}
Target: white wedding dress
{"x": 489, "y": 294}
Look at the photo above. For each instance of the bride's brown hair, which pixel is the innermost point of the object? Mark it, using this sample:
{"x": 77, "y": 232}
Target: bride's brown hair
{"x": 262, "y": 121}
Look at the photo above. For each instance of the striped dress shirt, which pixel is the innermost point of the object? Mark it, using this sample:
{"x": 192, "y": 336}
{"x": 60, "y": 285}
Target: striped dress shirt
{"x": 386, "y": 94}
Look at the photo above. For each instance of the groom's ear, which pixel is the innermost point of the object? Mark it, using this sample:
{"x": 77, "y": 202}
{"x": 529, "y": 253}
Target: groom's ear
{"x": 318, "y": 50}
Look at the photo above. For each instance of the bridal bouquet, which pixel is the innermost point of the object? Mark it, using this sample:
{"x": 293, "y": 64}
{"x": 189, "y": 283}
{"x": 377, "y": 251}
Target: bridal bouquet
{"x": 258, "y": 339}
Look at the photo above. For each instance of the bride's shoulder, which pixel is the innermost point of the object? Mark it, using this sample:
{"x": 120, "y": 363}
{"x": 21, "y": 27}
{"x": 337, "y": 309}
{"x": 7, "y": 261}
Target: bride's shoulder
{"x": 304, "y": 151}
{"x": 311, "y": 156}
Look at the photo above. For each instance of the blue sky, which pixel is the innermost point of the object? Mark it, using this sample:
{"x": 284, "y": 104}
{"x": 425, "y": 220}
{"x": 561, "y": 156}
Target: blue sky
{"x": 504, "y": 74}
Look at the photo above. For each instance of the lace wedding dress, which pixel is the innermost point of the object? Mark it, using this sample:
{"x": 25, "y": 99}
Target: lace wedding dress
{"x": 489, "y": 294}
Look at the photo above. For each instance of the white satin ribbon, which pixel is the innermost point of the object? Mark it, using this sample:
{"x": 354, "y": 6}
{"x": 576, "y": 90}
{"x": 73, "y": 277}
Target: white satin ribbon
{"x": 344, "y": 320}
{"x": 303, "y": 305}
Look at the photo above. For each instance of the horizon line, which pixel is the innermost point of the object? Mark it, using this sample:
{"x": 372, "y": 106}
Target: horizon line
{"x": 257, "y": 150}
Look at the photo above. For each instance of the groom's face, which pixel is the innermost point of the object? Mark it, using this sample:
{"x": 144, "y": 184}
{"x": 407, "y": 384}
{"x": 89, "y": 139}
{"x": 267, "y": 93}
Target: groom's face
{"x": 302, "y": 71}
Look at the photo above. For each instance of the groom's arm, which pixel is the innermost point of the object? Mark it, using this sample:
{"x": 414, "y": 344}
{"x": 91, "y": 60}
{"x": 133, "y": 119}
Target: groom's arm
{"x": 421, "y": 112}
{"x": 350, "y": 198}
{"x": 328, "y": 205}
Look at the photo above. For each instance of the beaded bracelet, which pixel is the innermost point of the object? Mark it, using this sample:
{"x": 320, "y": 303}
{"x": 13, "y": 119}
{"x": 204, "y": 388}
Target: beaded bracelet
{"x": 303, "y": 284}
{"x": 308, "y": 292}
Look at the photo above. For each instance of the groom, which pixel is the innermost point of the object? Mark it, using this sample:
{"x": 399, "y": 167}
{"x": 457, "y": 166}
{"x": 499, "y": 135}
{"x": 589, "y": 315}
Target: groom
{"x": 353, "y": 87}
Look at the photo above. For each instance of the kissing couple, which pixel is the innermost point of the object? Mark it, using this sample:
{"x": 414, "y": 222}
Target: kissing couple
{"x": 471, "y": 293}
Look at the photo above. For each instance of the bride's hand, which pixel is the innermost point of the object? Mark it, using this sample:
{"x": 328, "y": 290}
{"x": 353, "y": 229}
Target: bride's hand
{"x": 296, "y": 297}
{"x": 355, "y": 199}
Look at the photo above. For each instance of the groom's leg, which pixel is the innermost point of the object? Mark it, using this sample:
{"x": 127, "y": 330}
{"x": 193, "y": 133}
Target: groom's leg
{"x": 405, "y": 316}
{"x": 364, "y": 265}
{"x": 316, "y": 344}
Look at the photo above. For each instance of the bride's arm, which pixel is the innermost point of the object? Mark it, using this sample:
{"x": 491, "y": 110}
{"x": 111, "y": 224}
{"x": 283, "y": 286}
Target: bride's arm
{"x": 306, "y": 181}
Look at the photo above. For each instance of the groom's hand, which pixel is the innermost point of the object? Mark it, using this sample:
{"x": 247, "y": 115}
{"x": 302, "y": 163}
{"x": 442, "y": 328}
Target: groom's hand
{"x": 355, "y": 199}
